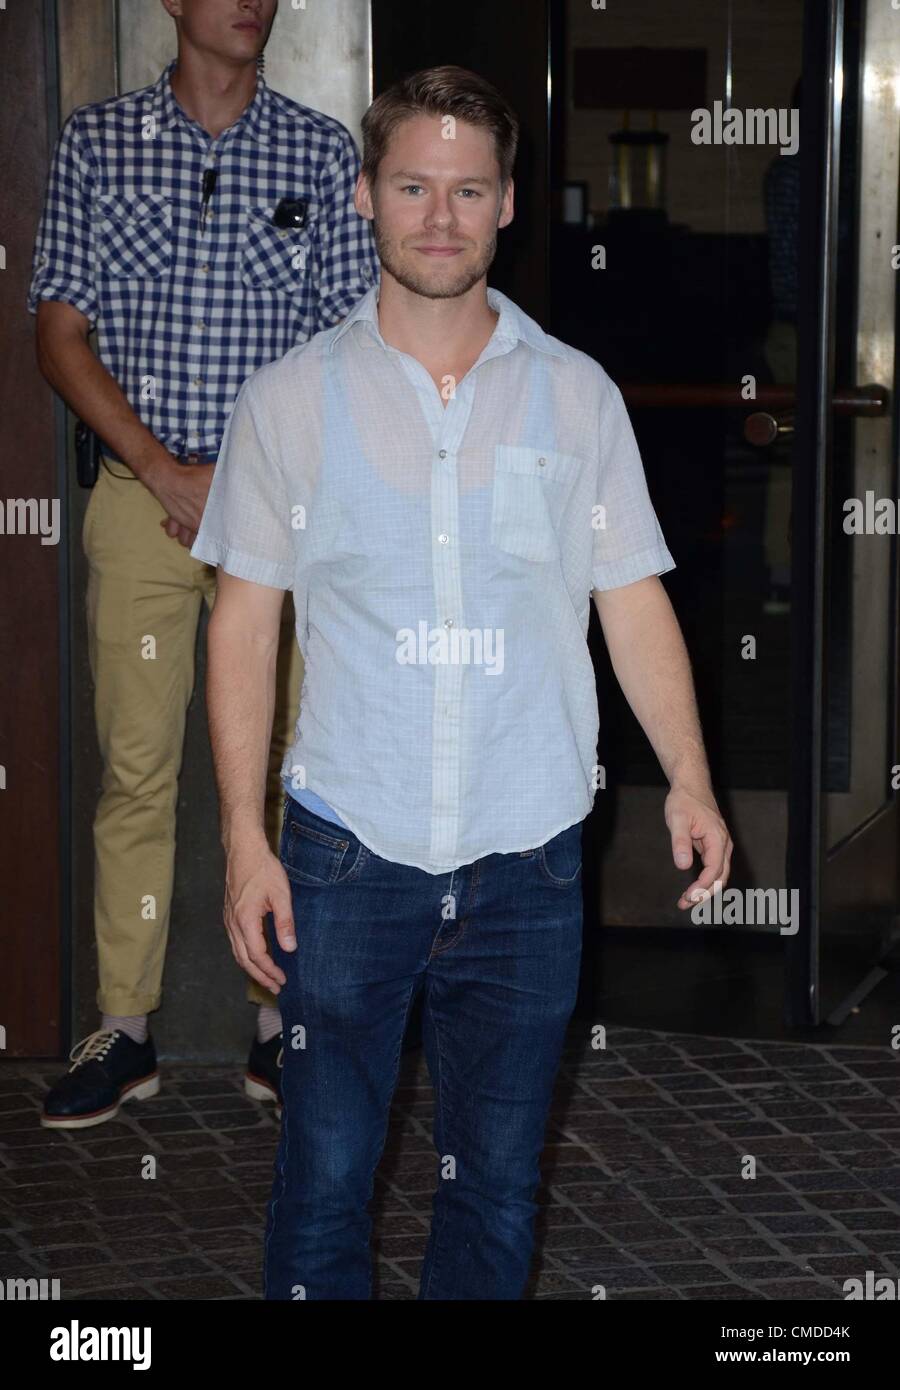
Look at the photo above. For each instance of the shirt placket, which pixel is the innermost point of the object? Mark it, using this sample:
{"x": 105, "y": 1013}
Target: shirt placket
{"x": 202, "y": 293}
{"x": 448, "y": 426}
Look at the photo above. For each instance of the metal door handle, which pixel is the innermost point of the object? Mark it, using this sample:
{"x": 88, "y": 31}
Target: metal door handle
{"x": 763, "y": 427}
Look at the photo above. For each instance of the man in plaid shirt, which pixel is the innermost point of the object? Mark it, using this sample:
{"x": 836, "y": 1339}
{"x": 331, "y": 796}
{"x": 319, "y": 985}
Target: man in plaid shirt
{"x": 202, "y": 226}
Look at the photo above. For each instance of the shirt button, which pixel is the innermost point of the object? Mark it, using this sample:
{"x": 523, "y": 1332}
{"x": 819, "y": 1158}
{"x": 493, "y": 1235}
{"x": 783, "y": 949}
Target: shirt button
{"x": 442, "y": 454}
{"x": 198, "y": 380}
{"x": 448, "y": 622}
{"x": 443, "y": 539}
{"x": 200, "y": 324}
{"x": 542, "y": 462}
{"x": 205, "y": 269}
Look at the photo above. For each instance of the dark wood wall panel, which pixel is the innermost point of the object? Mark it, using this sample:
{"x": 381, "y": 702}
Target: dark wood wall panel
{"x": 31, "y": 877}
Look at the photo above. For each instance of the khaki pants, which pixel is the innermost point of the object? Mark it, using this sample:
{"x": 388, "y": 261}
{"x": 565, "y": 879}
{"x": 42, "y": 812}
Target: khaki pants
{"x": 143, "y": 605}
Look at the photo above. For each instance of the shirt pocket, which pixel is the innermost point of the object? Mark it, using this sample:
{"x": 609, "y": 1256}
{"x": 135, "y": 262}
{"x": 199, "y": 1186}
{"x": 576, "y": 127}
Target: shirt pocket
{"x": 134, "y": 238}
{"x": 274, "y": 258}
{"x": 530, "y": 488}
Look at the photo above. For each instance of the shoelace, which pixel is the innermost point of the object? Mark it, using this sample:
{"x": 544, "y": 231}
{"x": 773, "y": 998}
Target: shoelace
{"x": 94, "y": 1047}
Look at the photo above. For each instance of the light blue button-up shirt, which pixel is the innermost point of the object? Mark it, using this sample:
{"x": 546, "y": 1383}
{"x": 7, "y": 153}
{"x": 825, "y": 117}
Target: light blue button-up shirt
{"x": 442, "y": 558}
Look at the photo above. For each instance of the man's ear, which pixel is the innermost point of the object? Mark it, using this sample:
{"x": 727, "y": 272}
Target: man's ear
{"x": 507, "y": 205}
{"x": 362, "y": 197}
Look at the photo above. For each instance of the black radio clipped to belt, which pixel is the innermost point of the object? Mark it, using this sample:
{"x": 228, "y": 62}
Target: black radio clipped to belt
{"x": 87, "y": 454}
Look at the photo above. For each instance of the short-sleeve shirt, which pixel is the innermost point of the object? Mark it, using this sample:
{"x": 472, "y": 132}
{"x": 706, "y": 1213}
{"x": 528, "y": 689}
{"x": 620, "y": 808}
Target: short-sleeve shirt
{"x": 185, "y": 309}
{"x": 442, "y": 559}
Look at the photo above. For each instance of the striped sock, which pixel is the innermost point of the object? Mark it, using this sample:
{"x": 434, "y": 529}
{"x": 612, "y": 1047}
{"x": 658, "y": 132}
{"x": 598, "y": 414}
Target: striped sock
{"x": 268, "y": 1023}
{"x": 134, "y": 1026}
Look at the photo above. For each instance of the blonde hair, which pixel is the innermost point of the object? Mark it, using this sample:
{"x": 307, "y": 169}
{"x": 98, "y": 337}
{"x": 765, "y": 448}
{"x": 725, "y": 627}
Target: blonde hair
{"x": 442, "y": 91}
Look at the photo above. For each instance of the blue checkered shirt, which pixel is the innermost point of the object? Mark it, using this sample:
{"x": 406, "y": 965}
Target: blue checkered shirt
{"x": 184, "y": 314}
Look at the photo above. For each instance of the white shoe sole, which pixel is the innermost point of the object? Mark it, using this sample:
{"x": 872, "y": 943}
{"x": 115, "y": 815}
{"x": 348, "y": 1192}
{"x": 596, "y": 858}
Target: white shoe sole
{"x": 260, "y": 1090}
{"x": 141, "y": 1090}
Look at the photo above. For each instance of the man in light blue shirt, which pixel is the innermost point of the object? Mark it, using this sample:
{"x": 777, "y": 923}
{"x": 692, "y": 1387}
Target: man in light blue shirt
{"x": 443, "y": 487}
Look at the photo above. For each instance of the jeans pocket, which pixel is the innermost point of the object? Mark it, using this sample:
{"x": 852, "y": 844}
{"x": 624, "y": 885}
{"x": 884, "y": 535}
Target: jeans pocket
{"x": 313, "y": 856}
{"x": 559, "y": 860}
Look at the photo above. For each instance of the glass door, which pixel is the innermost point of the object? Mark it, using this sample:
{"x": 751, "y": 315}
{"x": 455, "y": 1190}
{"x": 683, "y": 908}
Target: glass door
{"x": 843, "y": 838}
{"x": 721, "y": 234}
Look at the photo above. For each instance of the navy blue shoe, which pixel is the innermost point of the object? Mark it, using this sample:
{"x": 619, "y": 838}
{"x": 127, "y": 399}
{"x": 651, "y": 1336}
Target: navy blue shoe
{"x": 107, "y": 1068}
{"x": 262, "y": 1079}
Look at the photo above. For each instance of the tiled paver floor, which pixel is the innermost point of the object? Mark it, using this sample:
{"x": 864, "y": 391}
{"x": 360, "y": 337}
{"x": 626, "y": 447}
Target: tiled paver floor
{"x": 643, "y": 1189}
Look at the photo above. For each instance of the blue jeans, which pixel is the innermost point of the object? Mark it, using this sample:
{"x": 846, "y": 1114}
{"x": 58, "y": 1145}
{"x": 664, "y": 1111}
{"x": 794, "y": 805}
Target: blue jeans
{"x": 496, "y": 947}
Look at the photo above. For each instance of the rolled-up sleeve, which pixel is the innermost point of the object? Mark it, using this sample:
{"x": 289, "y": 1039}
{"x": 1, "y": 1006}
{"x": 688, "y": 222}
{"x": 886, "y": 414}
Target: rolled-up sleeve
{"x": 347, "y": 262}
{"x": 628, "y": 543}
{"x": 62, "y": 267}
{"x": 248, "y": 521}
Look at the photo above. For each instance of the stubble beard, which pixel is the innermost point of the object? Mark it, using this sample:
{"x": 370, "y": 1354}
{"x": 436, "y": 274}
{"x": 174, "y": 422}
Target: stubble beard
{"x": 405, "y": 275}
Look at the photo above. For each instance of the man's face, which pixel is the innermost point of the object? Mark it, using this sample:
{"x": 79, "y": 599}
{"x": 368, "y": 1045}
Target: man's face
{"x": 235, "y": 29}
{"x": 436, "y": 205}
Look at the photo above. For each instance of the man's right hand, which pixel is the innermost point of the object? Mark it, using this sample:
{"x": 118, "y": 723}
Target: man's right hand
{"x": 256, "y": 883}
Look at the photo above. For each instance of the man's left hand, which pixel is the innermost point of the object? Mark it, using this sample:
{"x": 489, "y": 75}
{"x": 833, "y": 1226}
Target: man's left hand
{"x": 695, "y": 824}
{"x": 183, "y": 534}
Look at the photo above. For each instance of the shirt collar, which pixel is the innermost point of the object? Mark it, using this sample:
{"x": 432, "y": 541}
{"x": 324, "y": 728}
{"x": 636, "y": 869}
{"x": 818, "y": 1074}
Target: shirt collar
{"x": 255, "y": 118}
{"x": 512, "y": 327}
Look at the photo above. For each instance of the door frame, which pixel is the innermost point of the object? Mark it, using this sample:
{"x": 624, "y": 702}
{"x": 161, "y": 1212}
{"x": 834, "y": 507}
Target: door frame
{"x": 867, "y": 856}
